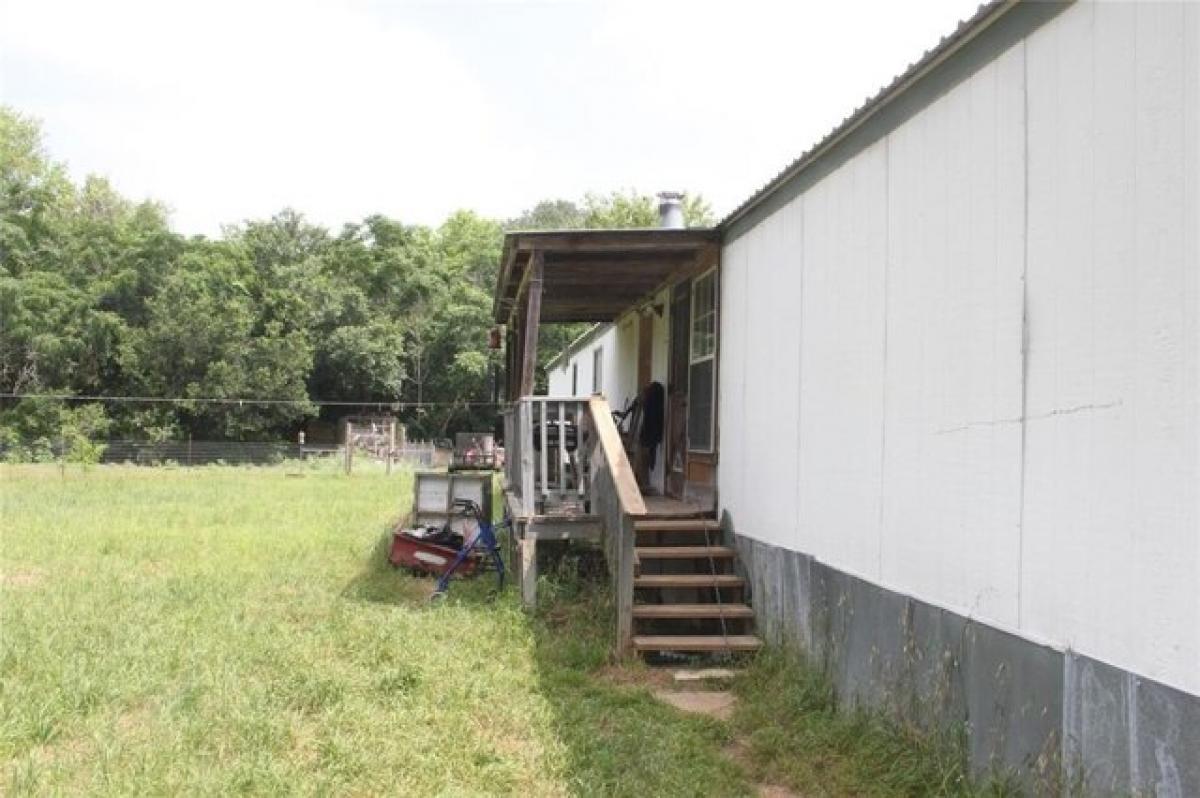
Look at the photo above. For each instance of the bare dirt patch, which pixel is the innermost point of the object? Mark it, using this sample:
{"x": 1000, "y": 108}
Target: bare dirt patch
{"x": 635, "y": 676}
{"x": 714, "y": 703}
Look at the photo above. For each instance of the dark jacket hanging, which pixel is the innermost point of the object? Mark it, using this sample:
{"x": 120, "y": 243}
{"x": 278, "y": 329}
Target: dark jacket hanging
{"x": 654, "y": 399}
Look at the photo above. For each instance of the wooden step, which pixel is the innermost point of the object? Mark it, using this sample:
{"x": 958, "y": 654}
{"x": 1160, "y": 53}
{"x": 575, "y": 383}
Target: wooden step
{"x": 688, "y": 580}
{"x": 696, "y": 643}
{"x": 684, "y": 552}
{"x": 698, "y": 525}
{"x": 687, "y": 611}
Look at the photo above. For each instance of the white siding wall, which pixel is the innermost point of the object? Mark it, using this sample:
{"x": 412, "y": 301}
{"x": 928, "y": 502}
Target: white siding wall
{"x": 879, "y": 321}
{"x": 619, "y": 345}
{"x": 558, "y": 380}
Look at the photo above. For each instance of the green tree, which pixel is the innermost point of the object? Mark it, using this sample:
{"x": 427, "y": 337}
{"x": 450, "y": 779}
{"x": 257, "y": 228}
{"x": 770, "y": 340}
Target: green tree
{"x": 99, "y": 296}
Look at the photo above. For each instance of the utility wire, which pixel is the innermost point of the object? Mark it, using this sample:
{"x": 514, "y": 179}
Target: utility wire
{"x": 216, "y": 400}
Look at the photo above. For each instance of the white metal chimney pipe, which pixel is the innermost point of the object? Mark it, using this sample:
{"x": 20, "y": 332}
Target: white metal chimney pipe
{"x": 670, "y": 210}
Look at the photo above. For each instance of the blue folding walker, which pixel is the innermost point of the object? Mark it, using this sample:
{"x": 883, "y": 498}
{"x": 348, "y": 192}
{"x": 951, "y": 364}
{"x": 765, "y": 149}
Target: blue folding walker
{"x": 484, "y": 538}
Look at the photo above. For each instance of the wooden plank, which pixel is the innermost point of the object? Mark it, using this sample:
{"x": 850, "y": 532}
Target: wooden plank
{"x": 609, "y": 442}
{"x": 514, "y": 372}
{"x": 516, "y": 509}
{"x": 616, "y": 259}
{"x": 544, "y": 452}
{"x": 533, "y": 312}
{"x": 625, "y": 241}
{"x": 516, "y": 299}
{"x": 562, "y": 449}
{"x": 572, "y": 288}
{"x": 525, "y": 431}
{"x": 603, "y": 272}
{"x": 601, "y": 316}
{"x": 528, "y": 548}
{"x": 696, "y": 643}
{"x": 582, "y": 452}
{"x": 583, "y": 527}
{"x": 688, "y": 611}
{"x": 698, "y": 525}
{"x": 684, "y": 552}
{"x": 510, "y": 258}
{"x": 689, "y": 580}
{"x": 626, "y": 567}
{"x": 510, "y": 364}
{"x": 703, "y": 260}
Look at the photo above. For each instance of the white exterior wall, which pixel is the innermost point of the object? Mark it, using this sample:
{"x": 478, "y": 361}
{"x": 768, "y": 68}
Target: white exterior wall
{"x": 619, "y": 342}
{"x": 1047, "y": 205}
{"x": 611, "y": 340}
{"x": 558, "y": 381}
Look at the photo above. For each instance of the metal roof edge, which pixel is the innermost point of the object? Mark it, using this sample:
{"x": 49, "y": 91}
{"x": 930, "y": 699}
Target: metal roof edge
{"x": 966, "y": 32}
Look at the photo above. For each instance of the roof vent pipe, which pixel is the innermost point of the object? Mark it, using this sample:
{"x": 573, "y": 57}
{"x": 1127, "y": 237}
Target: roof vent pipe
{"x": 670, "y": 210}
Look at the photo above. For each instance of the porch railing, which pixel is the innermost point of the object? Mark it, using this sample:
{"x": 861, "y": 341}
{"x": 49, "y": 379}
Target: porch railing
{"x": 547, "y": 460}
{"x": 618, "y": 501}
{"x": 564, "y": 458}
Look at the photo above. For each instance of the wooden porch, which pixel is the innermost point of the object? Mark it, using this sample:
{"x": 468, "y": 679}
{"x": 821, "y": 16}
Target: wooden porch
{"x": 584, "y": 275}
{"x": 568, "y": 475}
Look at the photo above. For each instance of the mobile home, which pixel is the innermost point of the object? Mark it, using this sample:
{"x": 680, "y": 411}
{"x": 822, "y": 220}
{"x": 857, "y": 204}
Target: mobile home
{"x": 938, "y": 386}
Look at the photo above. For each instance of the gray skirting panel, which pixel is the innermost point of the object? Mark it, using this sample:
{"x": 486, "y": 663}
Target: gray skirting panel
{"x": 1063, "y": 722}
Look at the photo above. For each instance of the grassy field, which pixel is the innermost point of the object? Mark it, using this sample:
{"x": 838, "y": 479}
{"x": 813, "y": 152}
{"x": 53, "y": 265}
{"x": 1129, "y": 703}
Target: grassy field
{"x": 229, "y": 630}
{"x": 237, "y": 630}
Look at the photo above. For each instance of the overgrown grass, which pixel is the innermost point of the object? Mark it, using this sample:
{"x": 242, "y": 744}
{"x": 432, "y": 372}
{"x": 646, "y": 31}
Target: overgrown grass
{"x": 224, "y": 630}
{"x": 619, "y": 739}
{"x": 237, "y": 630}
{"x": 794, "y": 734}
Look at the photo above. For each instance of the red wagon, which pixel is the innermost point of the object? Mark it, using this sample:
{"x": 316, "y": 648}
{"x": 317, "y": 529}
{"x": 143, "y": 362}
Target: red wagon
{"x": 416, "y": 554}
{"x": 432, "y": 535}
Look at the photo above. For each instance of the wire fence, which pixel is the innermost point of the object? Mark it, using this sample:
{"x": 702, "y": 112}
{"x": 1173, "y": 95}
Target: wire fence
{"x": 418, "y": 454}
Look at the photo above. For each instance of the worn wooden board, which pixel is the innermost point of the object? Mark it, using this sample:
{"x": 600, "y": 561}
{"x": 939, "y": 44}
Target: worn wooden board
{"x": 696, "y": 643}
{"x": 692, "y": 611}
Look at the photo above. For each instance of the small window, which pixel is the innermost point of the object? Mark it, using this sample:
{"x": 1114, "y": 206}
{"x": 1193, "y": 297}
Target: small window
{"x": 704, "y": 317}
{"x": 598, "y": 370}
{"x": 574, "y": 379}
{"x": 702, "y": 366}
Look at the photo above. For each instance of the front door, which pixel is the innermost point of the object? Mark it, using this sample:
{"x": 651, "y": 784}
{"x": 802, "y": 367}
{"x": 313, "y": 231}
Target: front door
{"x": 677, "y": 388}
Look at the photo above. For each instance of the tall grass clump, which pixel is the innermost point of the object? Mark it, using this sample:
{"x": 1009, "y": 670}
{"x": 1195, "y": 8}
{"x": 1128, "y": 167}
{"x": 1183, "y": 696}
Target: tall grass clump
{"x": 796, "y": 734}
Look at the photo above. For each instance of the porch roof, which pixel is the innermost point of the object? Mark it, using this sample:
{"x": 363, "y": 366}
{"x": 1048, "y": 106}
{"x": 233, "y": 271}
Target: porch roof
{"x": 594, "y": 275}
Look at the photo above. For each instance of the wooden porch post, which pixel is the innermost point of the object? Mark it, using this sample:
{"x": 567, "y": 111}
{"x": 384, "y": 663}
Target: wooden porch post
{"x": 510, "y": 364}
{"x": 533, "y": 312}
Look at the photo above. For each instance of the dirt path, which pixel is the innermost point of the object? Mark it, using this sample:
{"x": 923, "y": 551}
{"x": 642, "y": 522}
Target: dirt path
{"x": 719, "y": 704}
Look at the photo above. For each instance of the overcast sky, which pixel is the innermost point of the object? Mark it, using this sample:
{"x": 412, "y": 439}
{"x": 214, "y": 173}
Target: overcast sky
{"x": 232, "y": 110}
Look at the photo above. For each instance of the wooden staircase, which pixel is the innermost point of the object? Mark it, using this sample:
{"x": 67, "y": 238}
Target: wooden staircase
{"x": 687, "y": 597}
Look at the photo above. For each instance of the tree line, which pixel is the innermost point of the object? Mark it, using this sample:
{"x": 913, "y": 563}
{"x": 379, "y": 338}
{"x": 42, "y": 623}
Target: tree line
{"x": 100, "y": 297}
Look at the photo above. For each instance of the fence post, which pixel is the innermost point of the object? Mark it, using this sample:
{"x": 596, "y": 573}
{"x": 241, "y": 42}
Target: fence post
{"x": 189, "y": 459}
{"x": 348, "y": 437}
{"x": 391, "y": 449}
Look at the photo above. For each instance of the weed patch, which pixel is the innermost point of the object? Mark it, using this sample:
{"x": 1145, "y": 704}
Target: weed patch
{"x": 793, "y": 733}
